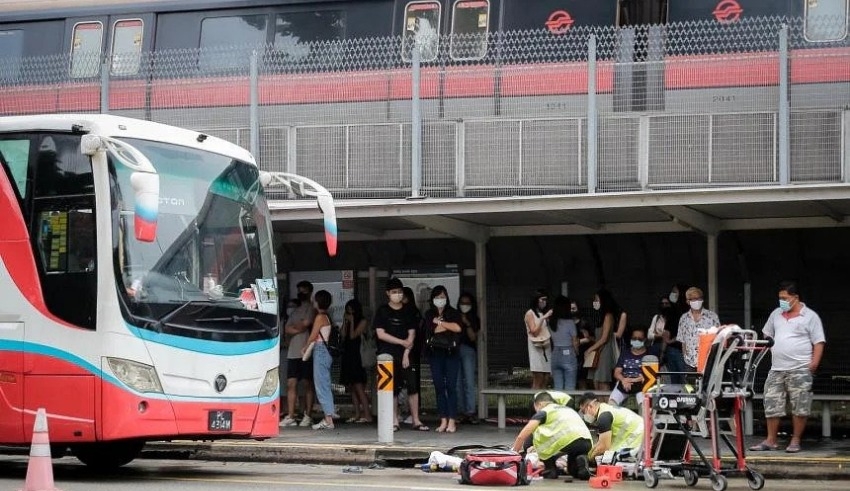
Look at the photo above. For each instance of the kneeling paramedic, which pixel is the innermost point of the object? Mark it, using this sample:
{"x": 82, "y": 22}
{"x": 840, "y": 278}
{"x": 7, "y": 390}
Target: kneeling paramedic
{"x": 619, "y": 429}
{"x": 556, "y": 430}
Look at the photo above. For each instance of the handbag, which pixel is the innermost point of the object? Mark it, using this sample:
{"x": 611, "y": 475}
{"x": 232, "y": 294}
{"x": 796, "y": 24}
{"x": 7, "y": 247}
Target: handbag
{"x": 334, "y": 343}
{"x": 442, "y": 344}
{"x": 591, "y": 359}
{"x": 368, "y": 349}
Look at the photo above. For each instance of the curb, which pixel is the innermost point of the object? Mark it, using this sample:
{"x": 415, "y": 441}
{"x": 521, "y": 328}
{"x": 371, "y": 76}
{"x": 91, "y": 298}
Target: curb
{"x": 836, "y": 468}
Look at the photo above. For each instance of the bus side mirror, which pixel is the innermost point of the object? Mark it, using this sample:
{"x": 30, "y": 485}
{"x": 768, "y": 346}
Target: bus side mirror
{"x": 146, "y": 198}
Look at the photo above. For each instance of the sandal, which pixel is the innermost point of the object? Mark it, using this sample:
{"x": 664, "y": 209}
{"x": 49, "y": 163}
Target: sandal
{"x": 352, "y": 419}
{"x": 793, "y": 447}
{"x": 764, "y": 447}
{"x": 363, "y": 421}
{"x": 420, "y": 427}
{"x": 395, "y": 428}
{"x": 441, "y": 429}
{"x": 451, "y": 429}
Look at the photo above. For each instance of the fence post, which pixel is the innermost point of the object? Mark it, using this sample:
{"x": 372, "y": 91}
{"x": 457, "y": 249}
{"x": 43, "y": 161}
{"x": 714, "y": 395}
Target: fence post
{"x": 254, "y": 113}
{"x": 591, "y": 114}
{"x": 784, "y": 109}
{"x": 416, "y": 126}
{"x": 104, "y": 85}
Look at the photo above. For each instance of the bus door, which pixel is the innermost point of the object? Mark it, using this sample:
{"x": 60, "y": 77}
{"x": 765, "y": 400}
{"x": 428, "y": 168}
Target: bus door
{"x": 11, "y": 378}
{"x": 639, "y": 72}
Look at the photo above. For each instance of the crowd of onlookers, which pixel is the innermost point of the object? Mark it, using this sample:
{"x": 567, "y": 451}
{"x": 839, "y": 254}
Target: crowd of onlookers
{"x": 601, "y": 349}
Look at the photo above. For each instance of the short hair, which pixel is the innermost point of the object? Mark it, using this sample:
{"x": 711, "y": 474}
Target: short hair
{"x": 542, "y": 397}
{"x": 695, "y": 291}
{"x": 393, "y": 284}
{"x": 305, "y": 285}
{"x": 586, "y": 398}
{"x": 323, "y": 299}
{"x": 789, "y": 286}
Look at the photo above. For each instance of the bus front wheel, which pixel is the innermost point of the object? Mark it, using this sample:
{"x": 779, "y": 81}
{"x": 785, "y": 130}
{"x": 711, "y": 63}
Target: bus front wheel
{"x": 106, "y": 456}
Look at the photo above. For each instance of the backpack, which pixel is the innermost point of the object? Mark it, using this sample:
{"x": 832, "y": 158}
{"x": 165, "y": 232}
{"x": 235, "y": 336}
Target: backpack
{"x": 494, "y": 467}
{"x": 334, "y": 343}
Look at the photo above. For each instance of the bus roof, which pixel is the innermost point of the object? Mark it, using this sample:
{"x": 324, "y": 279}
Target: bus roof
{"x": 118, "y": 126}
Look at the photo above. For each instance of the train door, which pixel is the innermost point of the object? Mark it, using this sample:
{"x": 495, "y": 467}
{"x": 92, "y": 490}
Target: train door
{"x": 125, "y": 36}
{"x": 639, "y": 74}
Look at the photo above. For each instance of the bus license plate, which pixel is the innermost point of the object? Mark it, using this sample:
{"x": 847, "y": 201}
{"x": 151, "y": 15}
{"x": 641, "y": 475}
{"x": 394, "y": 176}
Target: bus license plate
{"x": 220, "y": 421}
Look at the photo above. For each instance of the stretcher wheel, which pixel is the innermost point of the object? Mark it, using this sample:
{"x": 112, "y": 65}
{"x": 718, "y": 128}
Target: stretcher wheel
{"x": 719, "y": 482}
{"x": 755, "y": 480}
{"x": 691, "y": 477}
{"x": 650, "y": 478}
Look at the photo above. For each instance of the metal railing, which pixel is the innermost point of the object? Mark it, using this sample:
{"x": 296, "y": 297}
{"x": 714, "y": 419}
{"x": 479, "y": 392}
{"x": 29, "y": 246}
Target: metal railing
{"x": 597, "y": 109}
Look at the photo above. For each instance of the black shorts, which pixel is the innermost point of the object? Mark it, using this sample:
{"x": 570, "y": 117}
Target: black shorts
{"x": 406, "y": 378}
{"x": 299, "y": 369}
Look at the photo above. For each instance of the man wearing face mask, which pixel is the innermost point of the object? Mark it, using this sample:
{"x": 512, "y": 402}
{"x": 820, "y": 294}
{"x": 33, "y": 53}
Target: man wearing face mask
{"x": 298, "y": 327}
{"x": 798, "y": 346}
{"x": 618, "y": 428}
{"x": 395, "y": 327}
{"x": 689, "y": 325}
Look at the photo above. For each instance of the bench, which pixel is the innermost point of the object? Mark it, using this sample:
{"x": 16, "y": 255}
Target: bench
{"x": 826, "y": 401}
{"x": 502, "y": 392}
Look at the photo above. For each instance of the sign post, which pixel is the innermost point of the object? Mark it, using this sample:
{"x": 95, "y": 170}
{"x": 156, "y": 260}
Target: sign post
{"x": 386, "y": 416}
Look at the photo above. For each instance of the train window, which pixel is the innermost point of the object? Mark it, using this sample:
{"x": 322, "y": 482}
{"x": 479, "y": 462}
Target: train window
{"x": 11, "y": 51}
{"x": 421, "y": 28}
{"x": 227, "y": 42}
{"x": 826, "y": 20}
{"x": 470, "y": 21}
{"x": 127, "y": 46}
{"x": 14, "y": 154}
{"x": 293, "y": 32}
{"x": 86, "y": 48}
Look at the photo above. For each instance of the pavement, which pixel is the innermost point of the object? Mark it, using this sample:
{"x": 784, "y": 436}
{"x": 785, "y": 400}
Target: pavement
{"x": 357, "y": 444}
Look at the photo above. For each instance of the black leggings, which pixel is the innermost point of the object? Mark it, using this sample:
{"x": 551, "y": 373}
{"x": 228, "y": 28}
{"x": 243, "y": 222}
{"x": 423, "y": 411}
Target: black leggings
{"x": 578, "y": 447}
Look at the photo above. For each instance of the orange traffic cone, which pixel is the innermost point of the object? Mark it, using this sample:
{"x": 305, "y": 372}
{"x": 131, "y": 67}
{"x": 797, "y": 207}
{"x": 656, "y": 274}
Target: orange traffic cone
{"x": 40, "y": 468}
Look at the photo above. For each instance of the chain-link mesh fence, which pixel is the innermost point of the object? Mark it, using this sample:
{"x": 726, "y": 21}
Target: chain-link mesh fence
{"x": 694, "y": 104}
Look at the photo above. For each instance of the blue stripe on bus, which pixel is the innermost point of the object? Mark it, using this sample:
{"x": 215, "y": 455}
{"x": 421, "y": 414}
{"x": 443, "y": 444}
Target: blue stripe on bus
{"x": 205, "y": 346}
{"x": 40, "y": 349}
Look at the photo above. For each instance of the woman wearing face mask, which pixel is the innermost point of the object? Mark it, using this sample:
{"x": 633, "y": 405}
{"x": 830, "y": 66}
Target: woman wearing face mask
{"x": 352, "y": 375}
{"x": 627, "y": 372}
{"x": 689, "y": 325}
{"x": 603, "y": 347}
{"x": 443, "y": 325}
{"x": 537, "y": 330}
{"x": 471, "y": 325}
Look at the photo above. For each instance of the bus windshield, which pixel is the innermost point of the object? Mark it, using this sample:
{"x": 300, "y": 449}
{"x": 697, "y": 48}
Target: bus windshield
{"x": 209, "y": 270}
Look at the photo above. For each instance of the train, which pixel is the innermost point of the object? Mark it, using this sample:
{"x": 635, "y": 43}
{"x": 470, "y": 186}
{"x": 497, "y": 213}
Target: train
{"x": 36, "y": 28}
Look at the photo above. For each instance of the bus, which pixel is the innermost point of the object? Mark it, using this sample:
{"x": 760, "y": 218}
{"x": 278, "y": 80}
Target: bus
{"x": 138, "y": 285}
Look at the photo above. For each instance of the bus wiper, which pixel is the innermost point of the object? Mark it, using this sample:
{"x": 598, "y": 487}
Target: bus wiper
{"x": 236, "y": 319}
{"x": 157, "y": 325}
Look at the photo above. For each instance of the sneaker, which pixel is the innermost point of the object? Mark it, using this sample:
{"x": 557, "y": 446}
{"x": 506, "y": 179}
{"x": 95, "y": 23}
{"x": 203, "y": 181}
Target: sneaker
{"x": 306, "y": 421}
{"x": 323, "y": 425}
{"x": 287, "y": 421}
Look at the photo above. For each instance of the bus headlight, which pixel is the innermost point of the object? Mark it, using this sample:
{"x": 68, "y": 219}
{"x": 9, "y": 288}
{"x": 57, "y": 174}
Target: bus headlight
{"x": 138, "y": 376}
{"x": 270, "y": 383}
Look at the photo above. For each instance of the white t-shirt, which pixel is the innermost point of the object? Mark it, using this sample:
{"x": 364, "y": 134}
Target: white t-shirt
{"x": 793, "y": 338}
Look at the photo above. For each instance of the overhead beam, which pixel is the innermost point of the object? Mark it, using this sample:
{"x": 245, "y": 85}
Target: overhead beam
{"x": 452, "y": 226}
{"x": 572, "y": 218}
{"x": 694, "y": 220}
{"x": 829, "y": 211}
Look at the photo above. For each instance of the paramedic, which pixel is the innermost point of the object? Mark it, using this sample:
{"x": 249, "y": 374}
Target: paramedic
{"x": 798, "y": 338}
{"x": 619, "y": 428}
{"x": 556, "y": 430}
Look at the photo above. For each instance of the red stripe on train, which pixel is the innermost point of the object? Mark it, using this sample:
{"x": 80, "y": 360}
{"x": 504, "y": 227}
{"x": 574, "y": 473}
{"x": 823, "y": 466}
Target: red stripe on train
{"x": 716, "y": 71}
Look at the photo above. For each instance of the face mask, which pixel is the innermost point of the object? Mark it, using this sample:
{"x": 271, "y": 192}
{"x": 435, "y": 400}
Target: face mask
{"x": 289, "y": 311}
{"x": 674, "y": 297}
{"x": 574, "y": 312}
{"x": 588, "y": 418}
{"x": 439, "y": 302}
{"x": 465, "y": 308}
{"x": 695, "y": 304}
{"x": 784, "y": 305}
{"x": 637, "y": 343}
{"x": 304, "y": 297}
{"x": 396, "y": 297}
{"x": 597, "y": 305}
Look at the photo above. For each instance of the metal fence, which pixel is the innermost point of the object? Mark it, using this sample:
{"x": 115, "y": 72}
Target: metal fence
{"x": 688, "y": 105}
